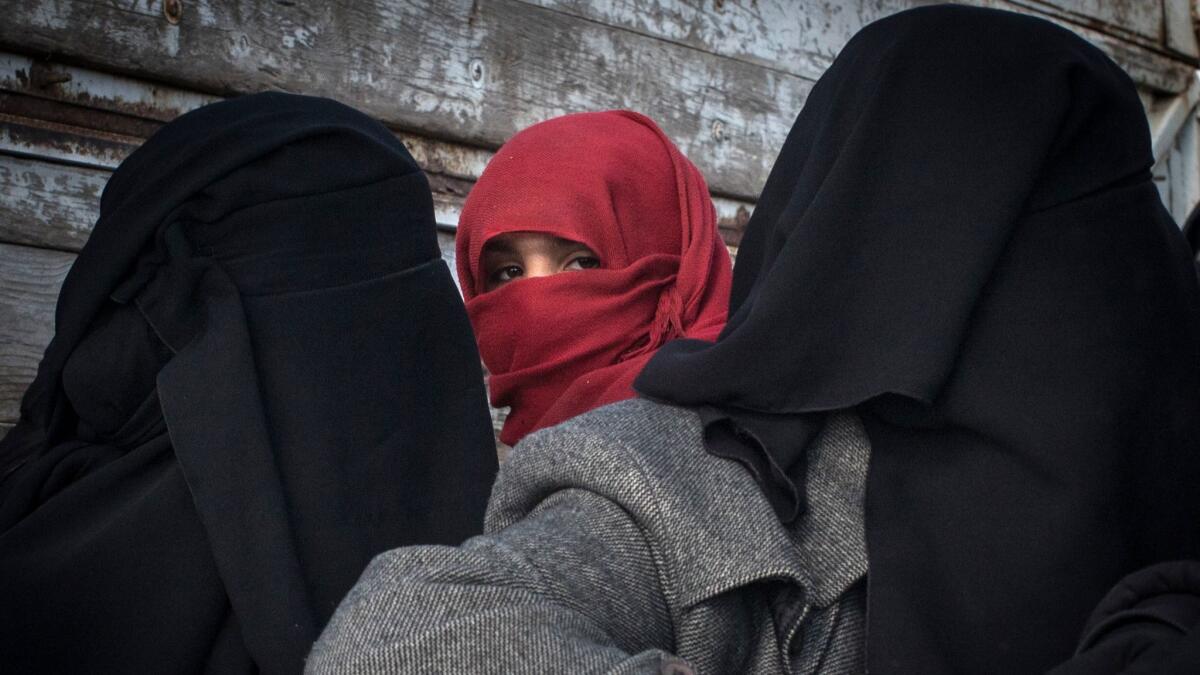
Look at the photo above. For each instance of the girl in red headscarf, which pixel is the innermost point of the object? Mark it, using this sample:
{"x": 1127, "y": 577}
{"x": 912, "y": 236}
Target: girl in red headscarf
{"x": 606, "y": 194}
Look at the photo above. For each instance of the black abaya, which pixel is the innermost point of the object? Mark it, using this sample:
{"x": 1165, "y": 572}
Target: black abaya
{"x": 262, "y": 376}
{"x": 961, "y": 240}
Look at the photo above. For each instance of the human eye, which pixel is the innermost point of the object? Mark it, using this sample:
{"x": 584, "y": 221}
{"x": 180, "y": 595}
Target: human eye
{"x": 506, "y": 273}
{"x": 583, "y": 262}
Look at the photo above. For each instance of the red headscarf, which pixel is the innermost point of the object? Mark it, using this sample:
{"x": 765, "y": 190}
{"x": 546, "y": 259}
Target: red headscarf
{"x": 561, "y": 345}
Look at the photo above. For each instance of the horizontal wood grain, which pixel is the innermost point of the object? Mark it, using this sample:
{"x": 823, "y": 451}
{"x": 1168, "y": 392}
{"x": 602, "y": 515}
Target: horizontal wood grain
{"x": 469, "y": 72}
{"x": 802, "y": 37}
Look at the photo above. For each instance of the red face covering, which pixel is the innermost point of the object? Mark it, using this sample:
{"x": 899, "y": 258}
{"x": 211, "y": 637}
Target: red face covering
{"x": 561, "y": 345}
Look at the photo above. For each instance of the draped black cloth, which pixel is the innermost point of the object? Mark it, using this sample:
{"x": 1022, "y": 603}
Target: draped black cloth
{"x": 1149, "y": 623}
{"x": 262, "y": 375}
{"x": 961, "y": 240}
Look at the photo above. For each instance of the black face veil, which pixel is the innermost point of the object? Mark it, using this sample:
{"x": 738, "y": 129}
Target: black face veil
{"x": 961, "y": 240}
{"x": 262, "y": 375}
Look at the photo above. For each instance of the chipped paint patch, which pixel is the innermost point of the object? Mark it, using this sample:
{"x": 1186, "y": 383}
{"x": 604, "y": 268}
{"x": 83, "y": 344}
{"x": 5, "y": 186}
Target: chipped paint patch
{"x": 204, "y": 12}
{"x": 49, "y": 14}
{"x": 170, "y": 41}
{"x": 299, "y": 36}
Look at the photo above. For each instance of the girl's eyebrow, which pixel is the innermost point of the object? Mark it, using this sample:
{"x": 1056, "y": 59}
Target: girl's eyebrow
{"x": 571, "y": 245}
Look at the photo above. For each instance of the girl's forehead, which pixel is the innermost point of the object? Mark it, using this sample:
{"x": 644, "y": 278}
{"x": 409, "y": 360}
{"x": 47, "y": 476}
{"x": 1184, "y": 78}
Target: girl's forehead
{"x": 529, "y": 242}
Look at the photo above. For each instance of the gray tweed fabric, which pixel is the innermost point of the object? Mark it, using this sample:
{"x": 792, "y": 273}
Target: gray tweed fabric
{"x": 615, "y": 543}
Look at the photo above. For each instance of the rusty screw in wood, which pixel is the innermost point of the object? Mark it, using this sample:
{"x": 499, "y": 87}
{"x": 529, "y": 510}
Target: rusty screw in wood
{"x": 173, "y": 11}
{"x": 476, "y": 68}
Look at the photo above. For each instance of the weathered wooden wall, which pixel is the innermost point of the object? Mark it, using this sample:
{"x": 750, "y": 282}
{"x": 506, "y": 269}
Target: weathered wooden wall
{"x": 83, "y": 82}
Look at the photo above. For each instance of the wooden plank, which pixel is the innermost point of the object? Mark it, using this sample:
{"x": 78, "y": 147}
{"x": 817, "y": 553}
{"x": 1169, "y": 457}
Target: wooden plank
{"x": 97, "y": 90}
{"x": 1139, "y": 17}
{"x": 61, "y": 124}
{"x": 1183, "y": 172}
{"x": 1168, "y": 115}
{"x": 79, "y": 96}
{"x": 802, "y": 37}
{"x": 29, "y": 283}
{"x": 470, "y": 72}
{"x": 48, "y": 205}
{"x": 1180, "y": 28}
{"x": 62, "y": 142}
{"x": 1142, "y": 57}
{"x": 1187, "y": 178}
{"x": 1138, "y": 57}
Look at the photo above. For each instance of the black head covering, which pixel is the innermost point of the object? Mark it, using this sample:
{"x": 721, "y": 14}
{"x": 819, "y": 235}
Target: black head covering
{"x": 961, "y": 239}
{"x": 262, "y": 376}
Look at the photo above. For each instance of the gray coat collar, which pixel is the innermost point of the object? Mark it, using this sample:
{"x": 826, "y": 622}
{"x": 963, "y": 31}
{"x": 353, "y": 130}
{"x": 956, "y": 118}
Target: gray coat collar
{"x": 704, "y": 517}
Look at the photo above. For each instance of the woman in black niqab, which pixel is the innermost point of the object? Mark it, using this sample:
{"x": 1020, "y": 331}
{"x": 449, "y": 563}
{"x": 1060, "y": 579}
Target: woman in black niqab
{"x": 962, "y": 242}
{"x": 262, "y": 375}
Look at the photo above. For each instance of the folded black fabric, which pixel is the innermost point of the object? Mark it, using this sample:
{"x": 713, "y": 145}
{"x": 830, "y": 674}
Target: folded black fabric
{"x": 1148, "y": 623}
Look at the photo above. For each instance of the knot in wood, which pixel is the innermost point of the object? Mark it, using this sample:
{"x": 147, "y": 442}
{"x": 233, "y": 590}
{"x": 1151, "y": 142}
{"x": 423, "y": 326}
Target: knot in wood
{"x": 477, "y": 72}
{"x": 173, "y": 11}
{"x": 718, "y": 130}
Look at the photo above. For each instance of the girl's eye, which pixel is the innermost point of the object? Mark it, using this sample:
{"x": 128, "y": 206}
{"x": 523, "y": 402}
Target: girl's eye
{"x": 584, "y": 262}
{"x": 507, "y": 273}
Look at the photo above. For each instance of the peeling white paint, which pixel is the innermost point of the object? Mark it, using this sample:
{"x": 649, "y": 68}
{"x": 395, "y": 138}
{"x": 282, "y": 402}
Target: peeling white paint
{"x": 299, "y": 36}
{"x": 170, "y": 41}
{"x": 50, "y": 14}
{"x": 446, "y": 215}
{"x": 205, "y": 12}
{"x": 803, "y": 36}
{"x": 239, "y": 47}
{"x": 103, "y": 90}
{"x": 1137, "y": 16}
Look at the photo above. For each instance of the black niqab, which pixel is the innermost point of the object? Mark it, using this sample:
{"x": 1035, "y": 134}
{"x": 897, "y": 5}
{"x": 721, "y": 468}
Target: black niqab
{"x": 262, "y": 376}
{"x": 961, "y": 240}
